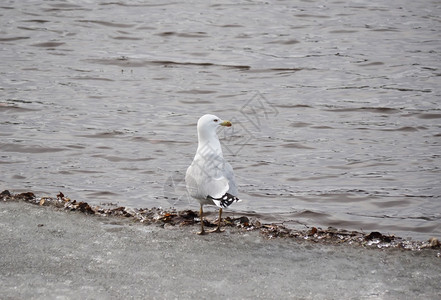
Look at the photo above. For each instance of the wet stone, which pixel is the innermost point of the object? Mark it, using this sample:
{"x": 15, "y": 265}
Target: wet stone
{"x": 5, "y": 194}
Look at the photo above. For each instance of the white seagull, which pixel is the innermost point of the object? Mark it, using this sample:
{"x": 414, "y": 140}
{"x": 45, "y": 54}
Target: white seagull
{"x": 209, "y": 178}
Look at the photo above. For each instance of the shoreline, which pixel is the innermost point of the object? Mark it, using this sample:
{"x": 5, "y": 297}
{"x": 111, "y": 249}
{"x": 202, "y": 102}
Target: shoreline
{"x": 186, "y": 218}
{"x": 65, "y": 250}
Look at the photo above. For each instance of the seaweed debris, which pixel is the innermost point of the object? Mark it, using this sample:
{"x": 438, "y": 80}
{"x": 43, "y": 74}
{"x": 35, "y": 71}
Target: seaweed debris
{"x": 161, "y": 217}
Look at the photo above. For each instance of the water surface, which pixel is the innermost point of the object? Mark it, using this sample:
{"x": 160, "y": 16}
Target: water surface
{"x": 335, "y": 105}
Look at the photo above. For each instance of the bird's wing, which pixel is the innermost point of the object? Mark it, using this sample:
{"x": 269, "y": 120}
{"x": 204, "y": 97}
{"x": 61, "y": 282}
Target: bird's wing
{"x": 217, "y": 187}
{"x": 228, "y": 197}
{"x": 204, "y": 180}
{"x": 229, "y": 174}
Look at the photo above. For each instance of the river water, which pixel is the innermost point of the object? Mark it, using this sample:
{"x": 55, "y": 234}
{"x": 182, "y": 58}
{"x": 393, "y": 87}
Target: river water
{"x": 335, "y": 105}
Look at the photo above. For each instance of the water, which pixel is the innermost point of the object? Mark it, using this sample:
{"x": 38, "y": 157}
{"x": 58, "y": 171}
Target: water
{"x": 335, "y": 105}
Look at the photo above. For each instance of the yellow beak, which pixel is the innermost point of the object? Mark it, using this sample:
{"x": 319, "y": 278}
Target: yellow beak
{"x": 225, "y": 123}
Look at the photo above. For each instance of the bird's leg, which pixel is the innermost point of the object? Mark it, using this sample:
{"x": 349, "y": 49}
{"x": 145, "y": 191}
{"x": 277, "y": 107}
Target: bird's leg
{"x": 201, "y": 212}
{"x": 219, "y": 222}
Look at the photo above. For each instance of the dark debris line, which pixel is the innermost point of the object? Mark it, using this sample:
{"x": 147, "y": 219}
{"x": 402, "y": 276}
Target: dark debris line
{"x": 188, "y": 217}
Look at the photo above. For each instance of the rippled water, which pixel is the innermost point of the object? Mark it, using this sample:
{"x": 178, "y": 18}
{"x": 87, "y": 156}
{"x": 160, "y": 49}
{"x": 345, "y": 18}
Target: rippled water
{"x": 335, "y": 105}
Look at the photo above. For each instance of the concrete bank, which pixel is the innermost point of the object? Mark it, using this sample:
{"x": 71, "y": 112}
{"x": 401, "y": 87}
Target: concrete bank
{"x": 48, "y": 253}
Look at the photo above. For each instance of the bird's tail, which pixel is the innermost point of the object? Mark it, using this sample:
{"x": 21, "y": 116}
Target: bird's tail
{"x": 224, "y": 201}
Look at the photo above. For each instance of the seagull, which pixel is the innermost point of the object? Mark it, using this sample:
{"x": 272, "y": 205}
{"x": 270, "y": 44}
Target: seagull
{"x": 209, "y": 178}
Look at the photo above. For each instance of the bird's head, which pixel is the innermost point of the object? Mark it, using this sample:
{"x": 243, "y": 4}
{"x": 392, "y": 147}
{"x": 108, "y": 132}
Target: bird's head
{"x": 209, "y": 123}
{"x": 207, "y": 136}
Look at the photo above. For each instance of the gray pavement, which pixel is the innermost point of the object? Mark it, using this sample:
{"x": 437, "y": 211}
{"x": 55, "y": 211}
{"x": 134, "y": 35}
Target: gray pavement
{"x": 48, "y": 253}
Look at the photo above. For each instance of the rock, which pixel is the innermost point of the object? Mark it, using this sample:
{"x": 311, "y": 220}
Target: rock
{"x": 5, "y": 193}
{"x": 26, "y": 196}
{"x": 434, "y": 242}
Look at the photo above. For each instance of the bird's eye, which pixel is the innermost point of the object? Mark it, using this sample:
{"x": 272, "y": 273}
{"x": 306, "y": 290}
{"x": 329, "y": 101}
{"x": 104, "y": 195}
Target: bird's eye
{"x": 216, "y": 120}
